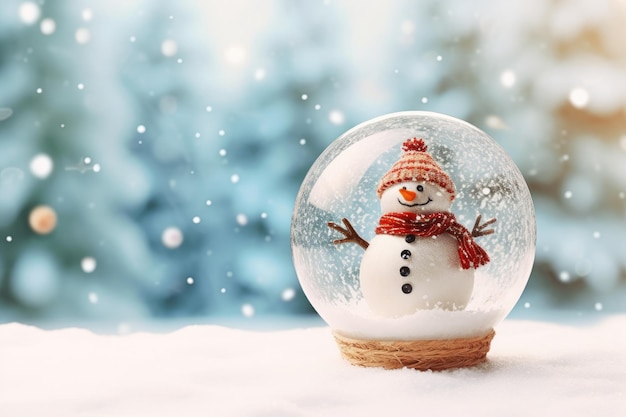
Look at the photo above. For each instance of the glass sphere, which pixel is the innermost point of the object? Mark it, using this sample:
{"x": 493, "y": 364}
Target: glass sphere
{"x": 344, "y": 182}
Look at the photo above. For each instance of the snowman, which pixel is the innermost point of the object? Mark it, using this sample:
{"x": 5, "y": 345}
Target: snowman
{"x": 421, "y": 257}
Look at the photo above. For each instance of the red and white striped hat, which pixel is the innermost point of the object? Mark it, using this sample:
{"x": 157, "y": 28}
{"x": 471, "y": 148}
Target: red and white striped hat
{"x": 416, "y": 165}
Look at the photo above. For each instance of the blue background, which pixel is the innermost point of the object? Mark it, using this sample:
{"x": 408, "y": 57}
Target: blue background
{"x": 204, "y": 116}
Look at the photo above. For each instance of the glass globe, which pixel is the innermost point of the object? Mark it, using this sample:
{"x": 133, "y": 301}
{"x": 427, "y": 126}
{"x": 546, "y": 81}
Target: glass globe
{"x": 343, "y": 183}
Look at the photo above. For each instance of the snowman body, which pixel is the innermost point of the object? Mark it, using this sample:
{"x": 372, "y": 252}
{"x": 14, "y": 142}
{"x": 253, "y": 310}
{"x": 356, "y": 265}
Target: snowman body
{"x": 400, "y": 274}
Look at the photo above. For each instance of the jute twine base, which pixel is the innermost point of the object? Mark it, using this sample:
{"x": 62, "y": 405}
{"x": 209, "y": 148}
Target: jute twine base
{"x": 423, "y": 355}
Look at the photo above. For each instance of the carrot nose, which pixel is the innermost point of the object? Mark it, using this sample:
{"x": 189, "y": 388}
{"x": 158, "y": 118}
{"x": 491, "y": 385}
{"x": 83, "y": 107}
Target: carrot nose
{"x": 408, "y": 195}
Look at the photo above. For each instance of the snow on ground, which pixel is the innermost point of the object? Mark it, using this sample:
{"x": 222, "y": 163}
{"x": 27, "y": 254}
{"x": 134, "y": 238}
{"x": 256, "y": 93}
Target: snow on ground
{"x": 534, "y": 369}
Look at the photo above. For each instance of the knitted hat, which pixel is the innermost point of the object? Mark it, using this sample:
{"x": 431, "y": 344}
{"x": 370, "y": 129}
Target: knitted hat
{"x": 416, "y": 164}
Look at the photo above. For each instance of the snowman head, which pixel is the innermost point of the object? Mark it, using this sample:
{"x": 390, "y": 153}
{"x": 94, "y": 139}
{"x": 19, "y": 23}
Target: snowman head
{"x": 416, "y": 183}
{"x": 414, "y": 196}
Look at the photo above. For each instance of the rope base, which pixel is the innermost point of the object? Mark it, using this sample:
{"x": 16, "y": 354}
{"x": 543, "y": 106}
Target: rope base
{"x": 422, "y": 355}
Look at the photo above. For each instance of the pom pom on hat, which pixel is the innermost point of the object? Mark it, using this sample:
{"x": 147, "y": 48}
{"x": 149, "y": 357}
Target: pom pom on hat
{"x": 416, "y": 164}
{"x": 414, "y": 144}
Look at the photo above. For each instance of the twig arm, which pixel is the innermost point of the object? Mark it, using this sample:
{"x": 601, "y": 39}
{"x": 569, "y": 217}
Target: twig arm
{"x": 479, "y": 229}
{"x": 351, "y": 235}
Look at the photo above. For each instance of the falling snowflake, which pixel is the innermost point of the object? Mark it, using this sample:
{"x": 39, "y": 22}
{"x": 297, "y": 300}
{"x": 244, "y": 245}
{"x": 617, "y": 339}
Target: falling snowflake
{"x": 82, "y": 35}
{"x": 169, "y": 47}
{"x": 579, "y": 97}
{"x": 242, "y": 219}
{"x": 29, "y": 13}
{"x": 172, "y": 237}
{"x": 47, "y": 26}
{"x": 247, "y": 310}
{"x": 87, "y": 15}
{"x": 288, "y": 294}
{"x": 336, "y": 117}
{"x": 93, "y": 297}
{"x": 508, "y": 78}
{"x": 41, "y": 166}
{"x": 88, "y": 264}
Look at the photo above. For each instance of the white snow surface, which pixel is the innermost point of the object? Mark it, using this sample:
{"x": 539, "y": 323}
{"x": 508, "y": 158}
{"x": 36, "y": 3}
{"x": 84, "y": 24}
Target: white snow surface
{"x": 534, "y": 369}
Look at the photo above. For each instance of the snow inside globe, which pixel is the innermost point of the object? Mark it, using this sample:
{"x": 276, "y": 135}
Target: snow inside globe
{"x": 413, "y": 236}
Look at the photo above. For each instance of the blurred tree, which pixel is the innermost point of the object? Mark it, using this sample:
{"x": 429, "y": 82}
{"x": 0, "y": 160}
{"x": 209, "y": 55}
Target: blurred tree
{"x": 62, "y": 145}
{"x": 228, "y": 139}
{"x": 292, "y": 109}
{"x": 169, "y": 75}
{"x": 546, "y": 79}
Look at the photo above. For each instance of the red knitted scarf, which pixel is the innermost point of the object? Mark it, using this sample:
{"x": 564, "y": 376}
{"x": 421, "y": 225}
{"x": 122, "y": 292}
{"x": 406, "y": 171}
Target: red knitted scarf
{"x": 434, "y": 224}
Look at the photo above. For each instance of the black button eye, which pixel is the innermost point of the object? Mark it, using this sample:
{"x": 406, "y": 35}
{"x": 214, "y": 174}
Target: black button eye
{"x": 407, "y": 288}
{"x": 420, "y": 188}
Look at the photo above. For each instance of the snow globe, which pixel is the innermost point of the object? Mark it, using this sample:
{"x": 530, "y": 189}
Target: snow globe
{"x": 413, "y": 236}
